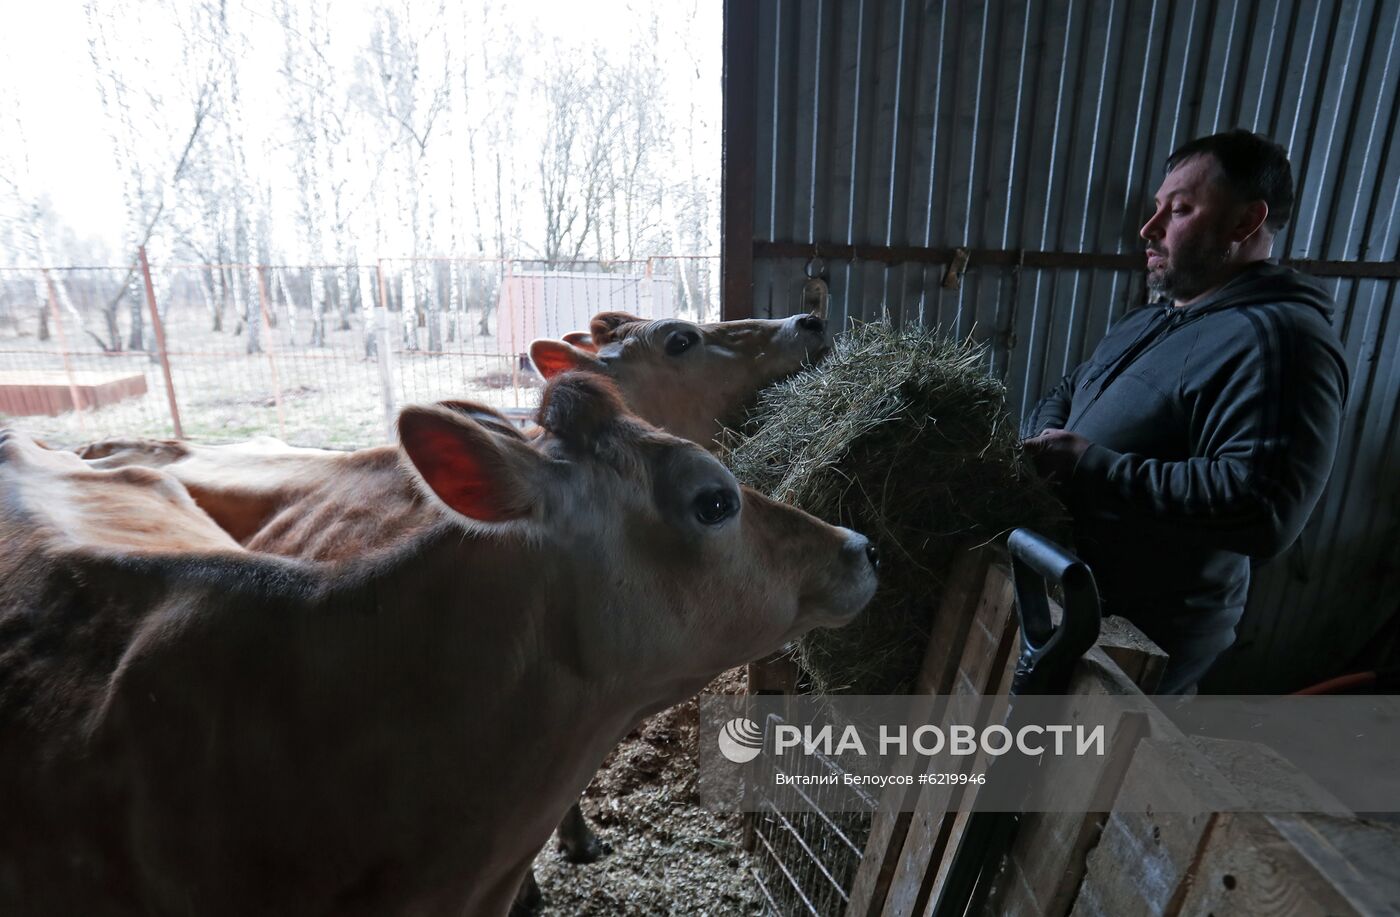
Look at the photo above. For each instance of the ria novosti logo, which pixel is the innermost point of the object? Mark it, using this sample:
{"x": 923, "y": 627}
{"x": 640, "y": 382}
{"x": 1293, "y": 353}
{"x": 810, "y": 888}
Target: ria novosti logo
{"x": 741, "y": 740}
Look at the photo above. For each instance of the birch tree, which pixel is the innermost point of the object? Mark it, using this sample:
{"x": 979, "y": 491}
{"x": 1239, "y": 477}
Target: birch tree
{"x": 149, "y": 170}
{"x": 409, "y": 93}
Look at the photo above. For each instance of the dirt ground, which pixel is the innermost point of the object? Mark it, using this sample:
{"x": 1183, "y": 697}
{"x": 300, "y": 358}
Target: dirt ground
{"x": 669, "y": 854}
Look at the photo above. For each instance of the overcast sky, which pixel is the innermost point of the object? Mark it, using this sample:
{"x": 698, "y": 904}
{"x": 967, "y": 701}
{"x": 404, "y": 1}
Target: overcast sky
{"x": 47, "y": 74}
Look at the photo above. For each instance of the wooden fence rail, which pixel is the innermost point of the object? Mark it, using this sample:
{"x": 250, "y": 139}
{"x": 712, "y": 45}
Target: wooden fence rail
{"x": 1122, "y": 858}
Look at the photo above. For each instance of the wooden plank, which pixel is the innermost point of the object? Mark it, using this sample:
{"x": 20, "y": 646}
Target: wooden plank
{"x": 1045, "y": 866}
{"x": 1146, "y": 850}
{"x": 1359, "y": 858}
{"x": 1282, "y": 866}
{"x": 45, "y": 392}
{"x": 962, "y": 598}
{"x": 1266, "y": 779}
{"x": 775, "y": 674}
{"x": 890, "y": 826}
{"x": 940, "y": 815}
{"x": 1047, "y": 860}
{"x": 1149, "y": 860}
{"x": 1139, "y": 658}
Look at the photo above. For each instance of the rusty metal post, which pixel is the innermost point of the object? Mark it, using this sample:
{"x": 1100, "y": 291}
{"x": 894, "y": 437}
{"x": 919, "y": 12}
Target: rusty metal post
{"x": 74, "y": 392}
{"x": 271, "y": 348}
{"x": 381, "y": 338}
{"x": 160, "y": 344}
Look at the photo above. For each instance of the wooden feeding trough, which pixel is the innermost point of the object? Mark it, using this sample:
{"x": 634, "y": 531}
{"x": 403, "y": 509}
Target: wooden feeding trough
{"x": 1107, "y": 863}
{"x": 52, "y": 392}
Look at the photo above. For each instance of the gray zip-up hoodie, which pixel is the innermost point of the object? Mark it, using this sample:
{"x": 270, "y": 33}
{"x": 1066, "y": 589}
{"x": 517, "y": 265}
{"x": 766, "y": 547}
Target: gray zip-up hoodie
{"x": 1214, "y": 428}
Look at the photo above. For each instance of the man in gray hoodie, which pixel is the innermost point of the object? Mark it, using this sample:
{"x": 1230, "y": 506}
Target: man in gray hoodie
{"x": 1201, "y": 432}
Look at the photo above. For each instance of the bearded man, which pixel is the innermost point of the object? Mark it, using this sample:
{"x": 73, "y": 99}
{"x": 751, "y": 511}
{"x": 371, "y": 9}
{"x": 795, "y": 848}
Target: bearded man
{"x": 1201, "y": 432}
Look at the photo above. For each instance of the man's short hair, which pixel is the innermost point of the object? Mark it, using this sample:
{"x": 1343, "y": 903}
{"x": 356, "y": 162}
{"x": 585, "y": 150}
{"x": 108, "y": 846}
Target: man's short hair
{"x": 1254, "y": 168}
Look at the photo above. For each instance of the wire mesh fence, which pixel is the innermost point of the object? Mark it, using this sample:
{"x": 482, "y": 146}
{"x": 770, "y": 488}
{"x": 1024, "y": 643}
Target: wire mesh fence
{"x": 316, "y": 355}
{"x": 806, "y": 856}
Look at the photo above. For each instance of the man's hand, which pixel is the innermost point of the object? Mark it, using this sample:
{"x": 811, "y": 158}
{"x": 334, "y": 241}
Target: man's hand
{"x": 1055, "y": 453}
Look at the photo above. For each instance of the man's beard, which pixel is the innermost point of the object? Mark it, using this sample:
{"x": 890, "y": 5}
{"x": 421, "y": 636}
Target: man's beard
{"x": 1188, "y": 271}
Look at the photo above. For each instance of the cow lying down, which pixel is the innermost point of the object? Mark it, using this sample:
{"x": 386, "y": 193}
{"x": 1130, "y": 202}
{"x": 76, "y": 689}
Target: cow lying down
{"x": 187, "y": 727}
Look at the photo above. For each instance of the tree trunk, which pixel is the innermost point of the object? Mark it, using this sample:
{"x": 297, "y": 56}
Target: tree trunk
{"x": 434, "y": 309}
{"x": 288, "y": 301}
{"x": 411, "y": 307}
{"x": 318, "y": 308}
{"x": 345, "y": 296}
{"x": 114, "y": 333}
{"x": 137, "y": 339}
{"x": 253, "y": 320}
{"x": 206, "y": 290}
{"x": 223, "y": 289}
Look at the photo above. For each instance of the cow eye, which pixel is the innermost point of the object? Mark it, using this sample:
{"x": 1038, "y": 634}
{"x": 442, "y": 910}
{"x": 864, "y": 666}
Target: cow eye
{"x": 678, "y": 342}
{"x": 714, "y": 506}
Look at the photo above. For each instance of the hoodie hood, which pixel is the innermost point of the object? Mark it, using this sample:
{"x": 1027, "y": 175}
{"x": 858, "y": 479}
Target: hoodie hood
{"x": 1267, "y": 282}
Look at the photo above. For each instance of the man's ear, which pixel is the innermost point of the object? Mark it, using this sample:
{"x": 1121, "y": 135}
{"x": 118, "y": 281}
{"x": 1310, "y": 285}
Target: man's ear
{"x": 483, "y": 474}
{"x": 1251, "y": 220}
{"x": 554, "y": 357}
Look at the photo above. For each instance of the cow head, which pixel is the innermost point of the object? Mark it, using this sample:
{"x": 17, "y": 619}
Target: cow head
{"x": 669, "y": 566}
{"x": 691, "y": 380}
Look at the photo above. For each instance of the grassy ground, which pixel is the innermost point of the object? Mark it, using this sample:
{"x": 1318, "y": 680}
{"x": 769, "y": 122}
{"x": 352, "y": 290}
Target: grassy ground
{"x": 328, "y": 396}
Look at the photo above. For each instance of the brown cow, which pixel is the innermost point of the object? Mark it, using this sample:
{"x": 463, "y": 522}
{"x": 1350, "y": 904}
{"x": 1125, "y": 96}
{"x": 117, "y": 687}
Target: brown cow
{"x": 689, "y": 379}
{"x": 188, "y": 727}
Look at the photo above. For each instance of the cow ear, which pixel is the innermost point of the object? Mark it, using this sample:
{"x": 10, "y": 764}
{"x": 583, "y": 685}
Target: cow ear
{"x": 582, "y": 340}
{"x": 487, "y": 416}
{"x": 580, "y": 408}
{"x": 481, "y": 473}
{"x": 605, "y": 324}
{"x": 554, "y": 357}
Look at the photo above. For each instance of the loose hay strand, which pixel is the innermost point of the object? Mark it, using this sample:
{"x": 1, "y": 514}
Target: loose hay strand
{"x": 904, "y": 436}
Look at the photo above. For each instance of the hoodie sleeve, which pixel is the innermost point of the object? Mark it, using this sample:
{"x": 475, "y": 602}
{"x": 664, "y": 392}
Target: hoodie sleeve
{"x": 1053, "y": 410}
{"x": 1264, "y": 429}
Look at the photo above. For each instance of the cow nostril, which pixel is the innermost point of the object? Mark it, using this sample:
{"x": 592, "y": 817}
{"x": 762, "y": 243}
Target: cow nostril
{"x": 873, "y": 555}
{"x": 812, "y": 323}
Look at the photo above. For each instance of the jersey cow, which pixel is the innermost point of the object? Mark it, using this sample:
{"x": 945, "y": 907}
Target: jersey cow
{"x": 189, "y": 727}
{"x": 691, "y": 380}
{"x": 688, "y": 379}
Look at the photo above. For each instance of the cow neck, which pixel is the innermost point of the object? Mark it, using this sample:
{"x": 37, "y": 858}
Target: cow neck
{"x": 497, "y": 609}
{"x": 514, "y": 602}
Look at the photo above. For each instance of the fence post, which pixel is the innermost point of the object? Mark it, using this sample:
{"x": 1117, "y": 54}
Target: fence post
{"x": 271, "y": 347}
{"x": 160, "y": 344}
{"x": 74, "y": 392}
{"x": 514, "y": 321}
{"x": 648, "y": 305}
{"x": 678, "y": 266}
{"x": 381, "y": 334}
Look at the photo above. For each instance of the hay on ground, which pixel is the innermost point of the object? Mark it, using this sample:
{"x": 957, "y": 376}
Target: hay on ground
{"x": 904, "y": 436}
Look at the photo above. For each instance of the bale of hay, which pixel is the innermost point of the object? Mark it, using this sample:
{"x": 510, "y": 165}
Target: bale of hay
{"x": 904, "y": 436}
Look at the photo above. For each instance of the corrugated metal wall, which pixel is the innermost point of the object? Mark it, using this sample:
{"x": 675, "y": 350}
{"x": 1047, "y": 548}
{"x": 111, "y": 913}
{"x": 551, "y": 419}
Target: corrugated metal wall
{"x": 1041, "y": 125}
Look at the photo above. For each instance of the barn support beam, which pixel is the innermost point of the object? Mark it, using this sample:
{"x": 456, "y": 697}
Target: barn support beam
{"x": 740, "y": 158}
{"x": 972, "y": 257}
